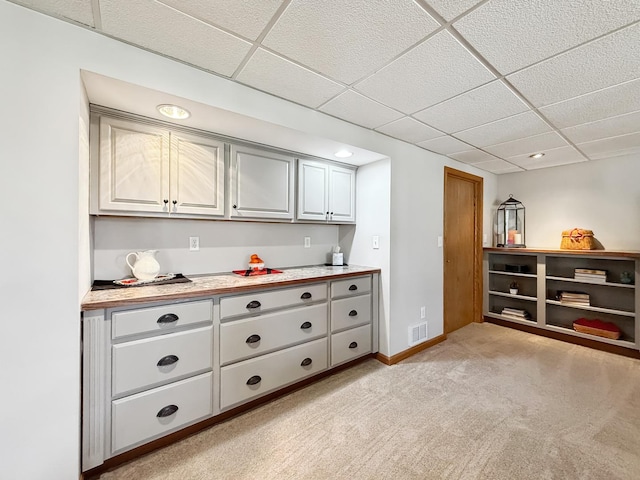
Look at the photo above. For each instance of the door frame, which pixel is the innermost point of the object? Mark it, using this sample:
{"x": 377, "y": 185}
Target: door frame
{"x": 478, "y": 183}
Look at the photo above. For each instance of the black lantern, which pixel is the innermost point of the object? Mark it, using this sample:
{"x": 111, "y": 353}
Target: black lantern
{"x": 510, "y": 224}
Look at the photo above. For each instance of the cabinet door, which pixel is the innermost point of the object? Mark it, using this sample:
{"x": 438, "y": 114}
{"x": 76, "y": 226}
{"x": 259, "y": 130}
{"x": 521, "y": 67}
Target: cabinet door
{"x": 197, "y": 175}
{"x": 313, "y": 189}
{"x": 342, "y": 194}
{"x": 133, "y": 166}
{"x": 262, "y": 184}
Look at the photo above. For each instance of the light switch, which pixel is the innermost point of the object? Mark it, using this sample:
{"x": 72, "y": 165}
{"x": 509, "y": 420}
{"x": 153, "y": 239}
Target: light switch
{"x": 375, "y": 242}
{"x": 439, "y": 240}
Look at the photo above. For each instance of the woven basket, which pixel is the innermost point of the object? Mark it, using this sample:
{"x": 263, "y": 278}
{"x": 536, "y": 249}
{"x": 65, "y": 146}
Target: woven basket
{"x": 577, "y": 239}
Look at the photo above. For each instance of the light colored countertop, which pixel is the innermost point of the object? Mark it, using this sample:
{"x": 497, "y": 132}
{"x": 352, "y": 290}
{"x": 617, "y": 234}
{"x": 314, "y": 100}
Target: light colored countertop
{"x": 218, "y": 284}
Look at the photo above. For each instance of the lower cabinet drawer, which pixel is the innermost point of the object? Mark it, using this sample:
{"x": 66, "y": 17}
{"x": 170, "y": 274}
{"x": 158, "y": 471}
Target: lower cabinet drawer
{"x": 350, "y": 312}
{"x": 254, "y": 336}
{"x": 252, "y": 378}
{"x": 258, "y": 302}
{"x": 156, "y": 412}
{"x": 152, "y": 361}
{"x": 350, "y": 344}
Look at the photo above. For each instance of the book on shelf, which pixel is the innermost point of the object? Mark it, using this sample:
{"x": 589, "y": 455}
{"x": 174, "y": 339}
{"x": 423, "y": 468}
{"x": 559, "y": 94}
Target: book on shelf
{"x": 590, "y": 275}
{"x": 516, "y": 313}
{"x": 574, "y": 298}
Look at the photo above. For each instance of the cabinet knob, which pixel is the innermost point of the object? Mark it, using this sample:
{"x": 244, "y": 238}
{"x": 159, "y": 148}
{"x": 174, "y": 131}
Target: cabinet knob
{"x": 254, "y": 304}
{"x": 353, "y": 345}
{"x": 305, "y": 325}
{"x": 167, "y": 411}
{"x": 254, "y": 380}
{"x": 175, "y": 202}
{"x": 235, "y": 206}
{"x": 353, "y": 288}
{"x": 168, "y": 318}
{"x": 306, "y": 362}
{"x": 253, "y": 339}
{"x": 353, "y": 313}
{"x": 305, "y": 296}
{"x": 165, "y": 201}
{"x": 168, "y": 360}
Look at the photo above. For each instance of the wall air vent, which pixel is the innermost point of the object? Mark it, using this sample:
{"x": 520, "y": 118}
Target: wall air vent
{"x": 417, "y": 333}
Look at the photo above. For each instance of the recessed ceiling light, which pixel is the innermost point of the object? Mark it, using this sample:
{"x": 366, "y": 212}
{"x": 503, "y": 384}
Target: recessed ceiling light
{"x": 343, "y": 153}
{"x": 173, "y": 111}
{"x": 537, "y": 155}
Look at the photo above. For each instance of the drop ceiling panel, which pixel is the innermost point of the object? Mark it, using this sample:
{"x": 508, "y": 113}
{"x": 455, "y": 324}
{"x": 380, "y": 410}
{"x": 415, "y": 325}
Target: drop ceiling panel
{"x": 510, "y": 128}
{"x": 552, "y": 158}
{"x": 513, "y": 34}
{"x": 356, "y": 108}
{"x": 484, "y": 104}
{"x": 609, "y": 127}
{"x": 609, "y": 102}
{"x": 450, "y": 9}
{"x": 472, "y": 156}
{"x": 436, "y": 70}
{"x": 348, "y": 40}
{"x": 612, "y": 147}
{"x": 77, "y": 10}
{"x": 244, "y": 17}
{"x": 270, "y": 73}
{"x": 528, "y": 145}
{"x": 498, "y": 166}
{"x": 409, "y": 130}
{"x": 162, "y": 29}
{"x": 445, "y": 145}
{"x": 608, "y": 61}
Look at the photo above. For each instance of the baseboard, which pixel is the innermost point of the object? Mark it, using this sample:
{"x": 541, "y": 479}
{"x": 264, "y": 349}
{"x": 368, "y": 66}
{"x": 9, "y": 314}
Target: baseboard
{"x": 565, "y": 337}
{"x": 410, "y": 351}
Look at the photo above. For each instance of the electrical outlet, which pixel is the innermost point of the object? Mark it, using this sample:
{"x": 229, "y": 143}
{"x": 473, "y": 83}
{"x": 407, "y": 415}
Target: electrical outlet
{"x": 194, "y": 244}
{"x": 484, "y": 239}
{"x": 375, "y": 242}
{"x": 439, "y": 240}
{"x": 307, "y": 242}
{"x": 423, "y": 312}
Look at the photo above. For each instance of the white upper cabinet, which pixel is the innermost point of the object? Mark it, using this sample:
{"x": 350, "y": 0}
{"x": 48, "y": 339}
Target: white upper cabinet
{"x": 197, "y": 175}
{"x": 326, "y": 192}
{"x": 145, "y": 169}
{"x": 261, "y": 184}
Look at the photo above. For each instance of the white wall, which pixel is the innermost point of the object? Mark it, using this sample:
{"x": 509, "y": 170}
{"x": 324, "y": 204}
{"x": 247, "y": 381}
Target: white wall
{"x": 40, "y": 343}
{"x": 373, "y": 213}
{"x": 602, "y": 195}
{"x": 224, "y": 245}
{"x": 43, "y": 249}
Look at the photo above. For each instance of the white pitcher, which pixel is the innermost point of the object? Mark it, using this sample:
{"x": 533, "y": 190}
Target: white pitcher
{"x": 146, "y": 267}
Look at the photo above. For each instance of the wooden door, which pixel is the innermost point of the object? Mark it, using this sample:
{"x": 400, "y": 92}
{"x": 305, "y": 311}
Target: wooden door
{"x": 462, "y": 249}
{"x": 197, "y": 175}
{"x": 262, "y": 184}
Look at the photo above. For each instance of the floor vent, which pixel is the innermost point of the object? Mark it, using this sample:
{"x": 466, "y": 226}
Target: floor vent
{"x": 417, "y": 333}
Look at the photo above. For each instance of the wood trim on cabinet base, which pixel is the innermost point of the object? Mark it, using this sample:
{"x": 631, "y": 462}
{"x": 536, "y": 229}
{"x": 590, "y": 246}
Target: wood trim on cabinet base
{"x": 118, "y": 460}
{"x": 410, "y": 351}
{"x": 566, "y": 337}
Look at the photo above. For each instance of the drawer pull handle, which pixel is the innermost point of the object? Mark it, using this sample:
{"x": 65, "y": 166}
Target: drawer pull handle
{"x": 353, "y": 313}
{"x": 167, "y": 411}
{"x": 254, "y": 304}
{"x": 353, "y": 345}
{"x": 168, "y": 360}
{"x": 305, "y": 296}
{"x": 353, "y": 288}
{"x": 168, "y": 318}
{"x": 254, "y": 380}
{"x": 305, "y": 325}
{"x": 306, "y": 362}
{"x": 253, "y": 339}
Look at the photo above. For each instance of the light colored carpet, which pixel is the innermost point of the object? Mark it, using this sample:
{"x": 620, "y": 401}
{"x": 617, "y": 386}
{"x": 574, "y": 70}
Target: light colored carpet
{"x": 488, "y": 403}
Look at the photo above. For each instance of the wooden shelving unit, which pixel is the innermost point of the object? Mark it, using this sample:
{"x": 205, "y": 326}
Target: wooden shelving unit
{"x": 543, "y": 273}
